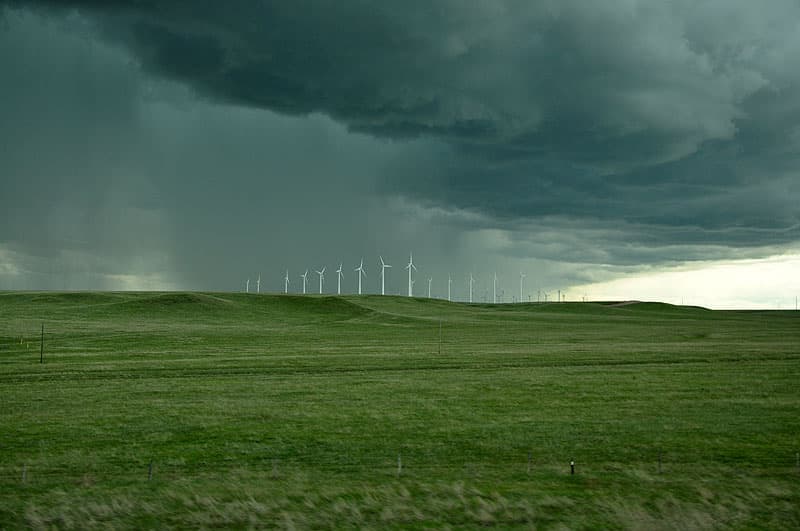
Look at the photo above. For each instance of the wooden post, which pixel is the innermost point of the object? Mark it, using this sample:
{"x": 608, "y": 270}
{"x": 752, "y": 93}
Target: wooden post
{"x": 41, "y": 351}
{"x": 440, "y": 337}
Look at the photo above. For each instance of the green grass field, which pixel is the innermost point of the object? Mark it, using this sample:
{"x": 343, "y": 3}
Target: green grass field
{"x": 285, "y": 411}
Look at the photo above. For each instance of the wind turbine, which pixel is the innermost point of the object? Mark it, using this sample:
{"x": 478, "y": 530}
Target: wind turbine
{"x": 321, "y": 278}
{"x": 449, "y": 283}
{"x": 247, "y": 286}
{"x": 494, "y": 289}
{"x": 360, "y": 270}
{"x": 286, "y": 282}
{"x": 430, "y": 279}
{"x": 471, "y": 283}
{"x": 410, "y": 266}
{"x": 521, "y": 278}
{"x": 339, "y": 280}
{"x": 304, "y": 276}
{"x": 383, "y": 275}
{"x": 258, "y": 284}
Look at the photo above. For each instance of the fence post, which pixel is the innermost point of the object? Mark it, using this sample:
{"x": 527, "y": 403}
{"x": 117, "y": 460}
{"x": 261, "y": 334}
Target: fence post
{"x": 440, "y": 337}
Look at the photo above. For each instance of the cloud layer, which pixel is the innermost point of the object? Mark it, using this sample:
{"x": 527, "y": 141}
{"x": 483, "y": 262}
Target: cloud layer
{"x": 617, "y": 133}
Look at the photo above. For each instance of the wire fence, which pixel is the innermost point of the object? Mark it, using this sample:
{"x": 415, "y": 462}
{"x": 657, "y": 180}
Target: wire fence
{"x": 662, "y": 464}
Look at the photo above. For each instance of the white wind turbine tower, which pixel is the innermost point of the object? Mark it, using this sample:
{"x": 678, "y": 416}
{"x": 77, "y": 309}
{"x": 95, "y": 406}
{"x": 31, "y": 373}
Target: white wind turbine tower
{"x": 494, "y": 289}
{"x": 410, "y": 266}
{"x": 304, "y": 276}
{"x": 471, "y": 283}
{"x": 339, "y": 280}
{"x": 247, "y": 286}
{"x": 258, "y": 284}
{"x": 449, "y": 283}
{"x": 521, "y": 278}
{"x": 383, "y": 275}
{"x": 286, "y": 282}
{"x": 360, "y": 270}
{"x": 430, "y": 279}
{"x": 321, "y": 278}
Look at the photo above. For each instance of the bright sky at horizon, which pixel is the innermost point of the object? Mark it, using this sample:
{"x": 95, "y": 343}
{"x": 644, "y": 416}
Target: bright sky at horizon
{"x": 768, "y": 283}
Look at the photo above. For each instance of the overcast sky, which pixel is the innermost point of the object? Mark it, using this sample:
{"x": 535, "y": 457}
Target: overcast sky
{"x": 626, "y": 149}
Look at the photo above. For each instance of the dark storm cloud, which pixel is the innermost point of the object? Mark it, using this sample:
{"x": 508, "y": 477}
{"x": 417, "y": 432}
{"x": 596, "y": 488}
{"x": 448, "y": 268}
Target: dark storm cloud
{"x": 653, "y": 130}
{"x": 716, "y": 196}
{"x": 587, "y": 81}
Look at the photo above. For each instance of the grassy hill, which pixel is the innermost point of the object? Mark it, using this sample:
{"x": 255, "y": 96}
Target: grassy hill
{"x": 219, "y": 409}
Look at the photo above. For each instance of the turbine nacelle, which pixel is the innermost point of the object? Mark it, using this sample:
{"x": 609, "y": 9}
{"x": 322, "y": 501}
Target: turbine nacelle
{"x": 384, "y": 265}
{"x": 410, "y": 267}
{"x": 411, "y": 262}
{"x": 360, "y": 271}
{"x": 321, "y": 278}
{"x": 339, "y": 279}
